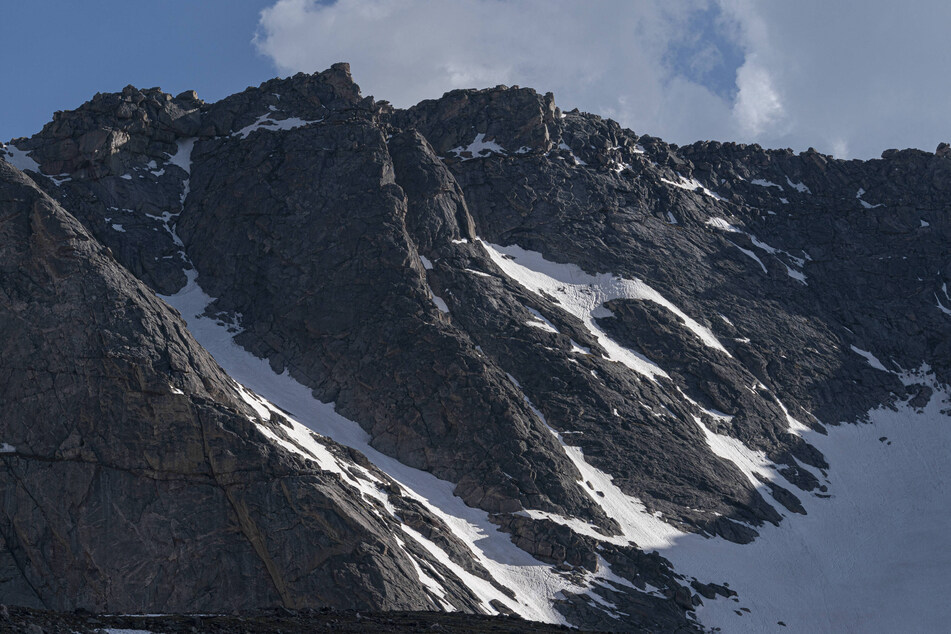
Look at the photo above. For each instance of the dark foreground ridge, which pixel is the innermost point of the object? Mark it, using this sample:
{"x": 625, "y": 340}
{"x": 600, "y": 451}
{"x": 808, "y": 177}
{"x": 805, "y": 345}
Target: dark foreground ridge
{"x": 277, "y": 621}
{"x": 547, "y": 316}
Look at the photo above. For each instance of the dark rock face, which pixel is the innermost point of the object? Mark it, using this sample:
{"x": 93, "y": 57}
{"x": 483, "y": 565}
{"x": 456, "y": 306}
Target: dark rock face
{"x": 353, "y": 244}
{"x": 138, "y": 480}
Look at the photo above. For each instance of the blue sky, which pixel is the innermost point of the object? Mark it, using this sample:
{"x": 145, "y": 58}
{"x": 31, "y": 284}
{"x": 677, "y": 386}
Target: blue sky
{"x": 59, "y": 53}
{"x": 850, "y": 77}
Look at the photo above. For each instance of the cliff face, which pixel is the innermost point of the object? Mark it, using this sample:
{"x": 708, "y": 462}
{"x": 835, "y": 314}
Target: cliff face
{"x": 138, "y": 475}
{"x": 560, "y": 321}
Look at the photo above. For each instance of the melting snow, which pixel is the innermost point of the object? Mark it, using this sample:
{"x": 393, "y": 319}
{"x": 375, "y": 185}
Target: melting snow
{"x": 583, "y": 296}
{"x": 691, "y": 184}
{"x": 765, "y": 183}
{"x": 582, "y": 299}
{"x": 577, "y": 161}
{"x": 7, "y": 448}
{"x": 478, "y": 148}
{"x": 799, "y": 187}
{"x": 753, "y": 464}
{"x": 540, "y": 322}
{"x": 941, "y": 307}
{"x": 723, "y": 225}
{"x": 439, "y": 301}
{"x": 872, "y": 361}
{"x": 18, "y": 158}
{"x": 265, "y": 122}
{"x": 750, "y": 254}
{"x": 118, "y": 228}
{"x": 859, "y": 195}
{"x": 576, "y": 348}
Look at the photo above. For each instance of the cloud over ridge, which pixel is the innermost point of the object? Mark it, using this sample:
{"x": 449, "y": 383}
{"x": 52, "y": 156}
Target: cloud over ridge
{"x": 848, "y": 78}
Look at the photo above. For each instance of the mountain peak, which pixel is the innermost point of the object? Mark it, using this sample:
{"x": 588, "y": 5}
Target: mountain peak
{"x": 478, "y": 354}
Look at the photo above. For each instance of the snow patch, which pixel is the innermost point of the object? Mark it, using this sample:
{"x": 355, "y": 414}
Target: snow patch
{"x": 540, "y": 322}
{"x": 183, "y": 155}
{"x": 692, "y": 184}
{"x": 479, "y": 148}
{"x": 859, "y": 195}
{"x": 576, "y": 348}
{"x": 799, "y": 187}
{"x": 799, "y": 276}
{"x": 439, "y": 301}
{"x": 753, "y": 464}
{"x": 765, "y": 183}
{"x": 638, "y": 525}
{"x": 723, "y": 225}
{"x": 427, "y": 580}
{"x": 18, "y": 158}
{"x": 751, "y": 255}
{"x": 265, "y": 122}
{"x": 583, "y": 295}
{"x": 577, "y": 161}
{"x": 872, "y": 361}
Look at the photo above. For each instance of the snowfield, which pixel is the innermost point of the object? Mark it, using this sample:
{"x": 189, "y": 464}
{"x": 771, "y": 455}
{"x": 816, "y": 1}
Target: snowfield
{"x": 875, "y": 557}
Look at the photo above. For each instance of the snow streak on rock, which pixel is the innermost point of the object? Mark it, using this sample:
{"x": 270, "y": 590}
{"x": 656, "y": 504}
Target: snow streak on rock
{"x": 583, "y": 295}
{"x": 536, "y": 585}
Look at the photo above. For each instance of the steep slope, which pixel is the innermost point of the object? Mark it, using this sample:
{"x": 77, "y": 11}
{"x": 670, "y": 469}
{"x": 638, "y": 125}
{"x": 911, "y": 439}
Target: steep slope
{"x": 139, "y": 477}
{"x": 605, "y": 345}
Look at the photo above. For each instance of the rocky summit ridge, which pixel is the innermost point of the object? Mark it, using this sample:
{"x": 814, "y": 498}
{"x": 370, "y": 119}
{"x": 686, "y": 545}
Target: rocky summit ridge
{"x": 554, "y": 348}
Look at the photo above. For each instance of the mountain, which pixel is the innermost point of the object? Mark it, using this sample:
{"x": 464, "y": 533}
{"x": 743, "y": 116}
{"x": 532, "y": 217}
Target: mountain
{"x": 300, "y": 348}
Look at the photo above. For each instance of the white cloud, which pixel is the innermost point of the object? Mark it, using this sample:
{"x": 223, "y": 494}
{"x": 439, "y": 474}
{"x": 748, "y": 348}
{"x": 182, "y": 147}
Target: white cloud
{"x": 605, "y": 57}
{"x": 758, "y": 109}
{"x": 840, "y": 76}
{"x": 849, "y": 77}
